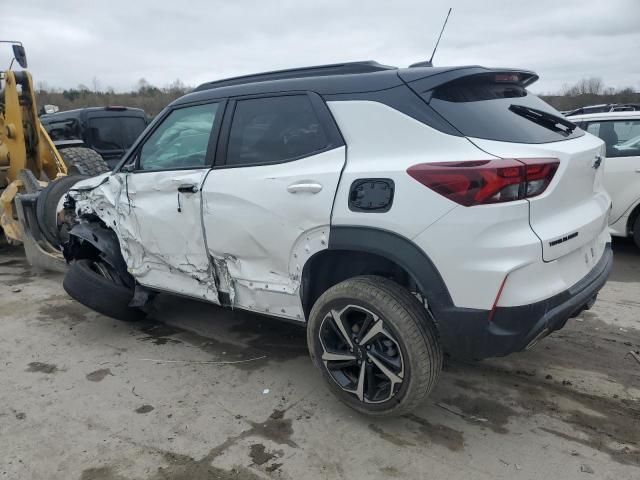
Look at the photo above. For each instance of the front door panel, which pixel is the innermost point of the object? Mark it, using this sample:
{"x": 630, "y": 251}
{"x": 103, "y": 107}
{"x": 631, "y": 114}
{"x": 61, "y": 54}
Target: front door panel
{"x": 164, "y": 195}
{"x": 168, "y": 225}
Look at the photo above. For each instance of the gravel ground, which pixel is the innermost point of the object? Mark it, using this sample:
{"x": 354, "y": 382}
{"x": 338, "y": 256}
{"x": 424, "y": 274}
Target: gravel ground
{"x": 86, "y": 397}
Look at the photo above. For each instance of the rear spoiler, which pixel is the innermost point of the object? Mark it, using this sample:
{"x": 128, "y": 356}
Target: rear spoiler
{"x": 424, "y": 79}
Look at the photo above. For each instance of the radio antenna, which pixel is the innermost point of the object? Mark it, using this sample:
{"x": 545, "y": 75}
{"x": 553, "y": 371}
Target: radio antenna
{"x": 429, "y": 63}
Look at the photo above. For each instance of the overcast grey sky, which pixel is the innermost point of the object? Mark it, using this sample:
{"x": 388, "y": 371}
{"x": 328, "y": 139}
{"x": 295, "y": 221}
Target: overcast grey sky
{"x": 70, "y": 42}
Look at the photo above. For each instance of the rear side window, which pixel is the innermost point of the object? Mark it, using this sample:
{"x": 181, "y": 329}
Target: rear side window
{"x": 115, "y": 133}
{"x": 482, "y": 106}
{"x": 274, "y": 130}
{"x": 66, "y": 129}
{"x": 622, "y": 137}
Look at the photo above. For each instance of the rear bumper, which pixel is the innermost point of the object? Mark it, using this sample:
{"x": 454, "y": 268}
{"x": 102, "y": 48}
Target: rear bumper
{"x": 467, "y": 333}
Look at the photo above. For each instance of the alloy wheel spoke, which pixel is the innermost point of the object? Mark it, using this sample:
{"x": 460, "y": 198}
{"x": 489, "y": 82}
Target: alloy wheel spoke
{"x": 330, "y": 356}
{"x": 373, "y": 331}
{"x": 361, "y": 379}
{"x": 337, "y": 319}
{"x": 394, "y": 378}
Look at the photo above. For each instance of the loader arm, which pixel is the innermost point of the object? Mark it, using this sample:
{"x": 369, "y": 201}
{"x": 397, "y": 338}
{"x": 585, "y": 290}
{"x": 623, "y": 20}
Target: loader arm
{"x": 24, "y": 145}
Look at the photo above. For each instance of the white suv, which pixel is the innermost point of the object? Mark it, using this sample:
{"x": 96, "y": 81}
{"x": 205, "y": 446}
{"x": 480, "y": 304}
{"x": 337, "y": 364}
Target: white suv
{"x": 398, "y": 213}
{"x": 621, "y": 134}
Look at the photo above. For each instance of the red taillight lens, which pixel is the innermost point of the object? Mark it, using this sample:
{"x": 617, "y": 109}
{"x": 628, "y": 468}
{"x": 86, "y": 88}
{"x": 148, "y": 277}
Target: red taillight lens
{"x": 478, "y": 182}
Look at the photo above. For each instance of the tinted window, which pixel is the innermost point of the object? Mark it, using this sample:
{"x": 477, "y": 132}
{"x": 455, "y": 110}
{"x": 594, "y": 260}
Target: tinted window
{"x": 479, "y": 107}
{"x": 181, "y": 140}
{"x": 114, "y": 133}
{"x": 622, "y": 137}
{"x": 275, "y": 129}
{"x": 63, "y": 129}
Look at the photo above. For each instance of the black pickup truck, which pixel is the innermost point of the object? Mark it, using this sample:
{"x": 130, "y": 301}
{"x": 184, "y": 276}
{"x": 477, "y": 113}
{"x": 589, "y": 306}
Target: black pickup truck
{"x": 110, "y": 131}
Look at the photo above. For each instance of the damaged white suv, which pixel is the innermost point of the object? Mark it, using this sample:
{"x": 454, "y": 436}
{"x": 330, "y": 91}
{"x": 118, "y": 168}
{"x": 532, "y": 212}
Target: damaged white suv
{"x": 398, "y": 213}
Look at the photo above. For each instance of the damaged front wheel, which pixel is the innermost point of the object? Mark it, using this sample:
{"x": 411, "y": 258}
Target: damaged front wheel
{"x": 95, "y": 285}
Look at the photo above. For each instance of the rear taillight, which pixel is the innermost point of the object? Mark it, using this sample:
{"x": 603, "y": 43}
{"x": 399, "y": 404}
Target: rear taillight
{"x": 478, "y": 182}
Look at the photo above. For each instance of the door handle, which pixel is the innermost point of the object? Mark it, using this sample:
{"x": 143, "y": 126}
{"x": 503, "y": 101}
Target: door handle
{"x": 188, "y": 188}
{"x": 304, "y": 187}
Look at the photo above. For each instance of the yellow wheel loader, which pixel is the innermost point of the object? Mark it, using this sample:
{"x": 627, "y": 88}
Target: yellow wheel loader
{"x": 34, "y": 174}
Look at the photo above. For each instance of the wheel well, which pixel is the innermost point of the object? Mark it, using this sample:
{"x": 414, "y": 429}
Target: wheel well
{"x": 94, "y": 240}
{"x": 632, "y": 219}
{"x": 330, "y": 267}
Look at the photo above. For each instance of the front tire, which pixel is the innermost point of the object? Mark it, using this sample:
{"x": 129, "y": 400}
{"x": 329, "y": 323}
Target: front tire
{"x": 375, "y": 344}
{"x": 93, "y": 284}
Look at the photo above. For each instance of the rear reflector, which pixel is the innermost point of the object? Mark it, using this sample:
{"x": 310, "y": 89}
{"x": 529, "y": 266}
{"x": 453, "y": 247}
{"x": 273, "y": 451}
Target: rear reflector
{"x": 478, "y": 182}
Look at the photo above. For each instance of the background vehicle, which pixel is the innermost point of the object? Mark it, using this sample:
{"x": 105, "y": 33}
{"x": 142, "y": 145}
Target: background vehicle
{"x": 110, "y": 131}
{"x": 29, "y": 160}
{"x": 621, "y": 134}
{"x": 606, "y": 107}
{"x": 399, "y": 212}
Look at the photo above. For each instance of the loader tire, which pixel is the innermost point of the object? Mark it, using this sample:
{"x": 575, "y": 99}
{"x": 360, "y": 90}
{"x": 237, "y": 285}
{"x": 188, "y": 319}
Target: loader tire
{"x": 87, "y": 282}
{"x": 52, "y": 229}
{"x": 83, "y": 161}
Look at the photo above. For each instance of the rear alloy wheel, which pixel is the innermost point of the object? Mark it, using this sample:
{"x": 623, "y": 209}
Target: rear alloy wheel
{"x": 360, "y": 354}
{"x": 375, "y": 344}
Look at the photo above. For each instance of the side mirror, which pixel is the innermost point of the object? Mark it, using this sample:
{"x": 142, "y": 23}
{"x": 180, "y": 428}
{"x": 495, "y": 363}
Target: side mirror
{"x": 50, "y": 108}
{"x": 20, "y": 55}
{"x": 129, "y": 167}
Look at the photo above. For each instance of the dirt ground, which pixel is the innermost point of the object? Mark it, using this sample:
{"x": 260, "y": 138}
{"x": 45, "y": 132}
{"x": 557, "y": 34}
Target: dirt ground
{"x": 85, "y": 397}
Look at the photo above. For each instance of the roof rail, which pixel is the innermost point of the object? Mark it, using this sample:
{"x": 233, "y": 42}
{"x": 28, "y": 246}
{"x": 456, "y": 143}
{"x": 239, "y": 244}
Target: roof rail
{"x": 368, "y": 66}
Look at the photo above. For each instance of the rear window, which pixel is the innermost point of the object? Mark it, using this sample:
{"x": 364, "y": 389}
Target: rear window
{"x": 115, "y": 133}
{"x": 479, "y": 106}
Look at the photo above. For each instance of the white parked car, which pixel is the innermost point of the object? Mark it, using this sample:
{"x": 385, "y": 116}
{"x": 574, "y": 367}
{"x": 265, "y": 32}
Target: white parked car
{"x": 397, "y": 213}
{"x": 621, "y": 134}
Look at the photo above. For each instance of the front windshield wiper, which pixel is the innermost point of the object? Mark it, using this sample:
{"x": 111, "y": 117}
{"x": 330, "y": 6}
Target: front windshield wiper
{"x": 545, "y": 119}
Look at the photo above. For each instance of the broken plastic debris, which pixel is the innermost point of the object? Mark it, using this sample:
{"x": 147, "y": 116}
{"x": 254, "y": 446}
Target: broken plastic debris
{"x": 586, "y": 468}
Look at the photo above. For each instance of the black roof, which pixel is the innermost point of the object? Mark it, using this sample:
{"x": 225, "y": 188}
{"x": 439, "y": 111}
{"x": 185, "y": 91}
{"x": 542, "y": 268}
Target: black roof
{"x": 334, "y": 79}
{"x": 368, "y": 66}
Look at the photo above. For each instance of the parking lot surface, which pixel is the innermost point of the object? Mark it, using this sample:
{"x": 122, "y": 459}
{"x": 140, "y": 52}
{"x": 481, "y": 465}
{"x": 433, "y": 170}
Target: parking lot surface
{"x": 198, "y": 392}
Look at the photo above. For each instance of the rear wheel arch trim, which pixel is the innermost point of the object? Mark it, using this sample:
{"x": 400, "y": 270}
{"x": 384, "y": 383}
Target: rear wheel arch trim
{"x": 399, "y": 250}
{"x": 634, "y": 213}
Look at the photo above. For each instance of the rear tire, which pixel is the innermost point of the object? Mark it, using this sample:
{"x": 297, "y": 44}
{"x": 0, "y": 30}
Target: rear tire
{"x": 84, "y": 283}
{"x": 636, "y": 231}
{"x": 83, "y": 161}
{"x": 386, "y": 357}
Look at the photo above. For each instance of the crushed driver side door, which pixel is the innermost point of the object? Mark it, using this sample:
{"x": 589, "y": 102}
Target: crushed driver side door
{"x": 166, "y": 244}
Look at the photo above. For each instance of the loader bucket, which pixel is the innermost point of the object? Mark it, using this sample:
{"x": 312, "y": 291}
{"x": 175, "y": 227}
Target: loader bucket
{"x": 40, "y": 253}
